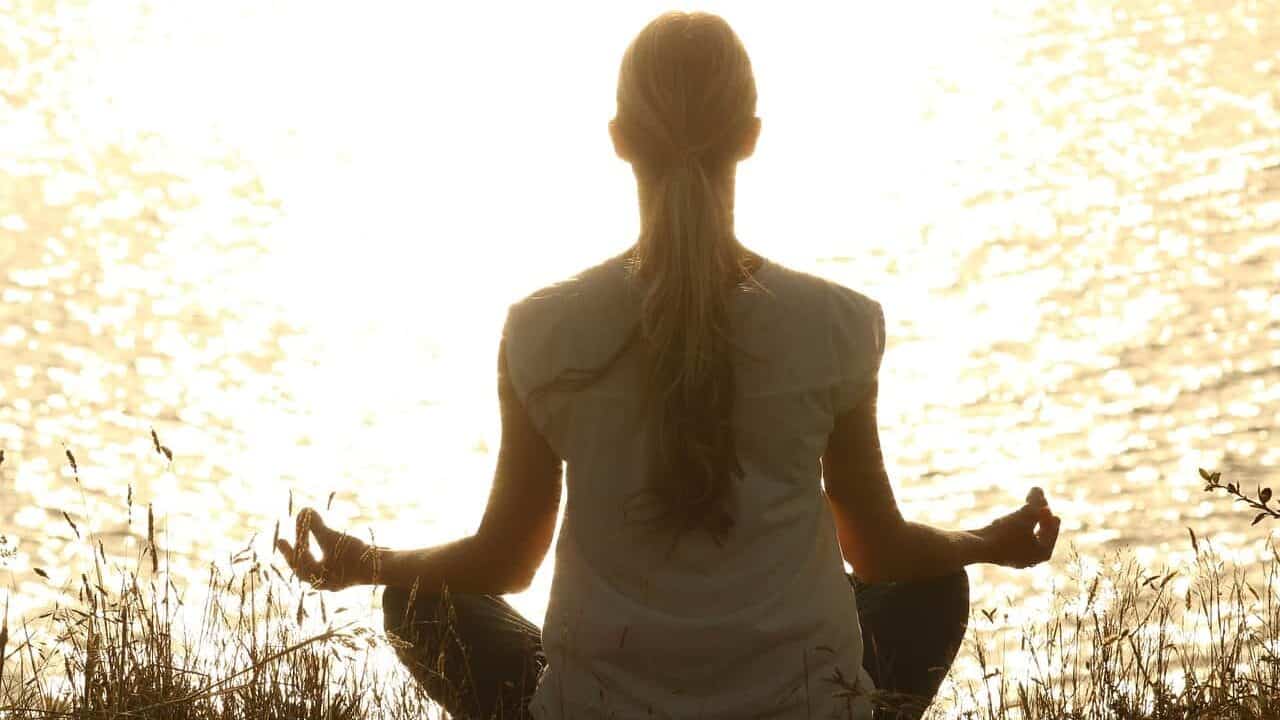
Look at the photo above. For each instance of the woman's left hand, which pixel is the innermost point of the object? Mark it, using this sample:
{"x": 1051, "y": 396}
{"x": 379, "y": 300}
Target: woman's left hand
{"x": 347, "y": 560}
{"x": 1024, "y": 537}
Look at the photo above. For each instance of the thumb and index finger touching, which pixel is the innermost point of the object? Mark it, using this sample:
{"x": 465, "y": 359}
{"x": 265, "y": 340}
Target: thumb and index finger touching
{"x": 1034, "y": 510}
{"x": 299, "y": 555}
{"x": 1037, "y": 508}
{"x": 1039, "y": 523}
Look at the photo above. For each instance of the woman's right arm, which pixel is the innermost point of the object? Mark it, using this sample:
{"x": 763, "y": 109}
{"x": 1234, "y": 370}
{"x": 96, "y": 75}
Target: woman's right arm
{"x": 882, "y": 546}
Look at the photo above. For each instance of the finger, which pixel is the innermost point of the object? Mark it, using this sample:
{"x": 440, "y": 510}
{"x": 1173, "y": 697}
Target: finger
{"x": 1027, "y": 515}
{"x": 326, "y": 537}
{"x": 323, "y": 532}
{"x": 1048, "y": 535}
{"x": 286, "y": 550}
{"x": 303, "y": 564}
{"x": 1035, "y": 496}
{"x": 302, "y": 531}
{"x": 1046, "y": 515}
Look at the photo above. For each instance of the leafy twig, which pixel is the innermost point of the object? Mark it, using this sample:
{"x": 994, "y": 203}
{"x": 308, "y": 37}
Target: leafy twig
{"x": 1213, "y": 481}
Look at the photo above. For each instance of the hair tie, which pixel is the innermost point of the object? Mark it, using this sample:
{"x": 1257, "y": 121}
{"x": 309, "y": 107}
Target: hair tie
{"x": 689, "y": 154}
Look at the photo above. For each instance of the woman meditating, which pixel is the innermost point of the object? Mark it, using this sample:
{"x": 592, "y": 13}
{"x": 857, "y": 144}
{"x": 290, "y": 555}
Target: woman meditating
{"x": 716, "y": 414}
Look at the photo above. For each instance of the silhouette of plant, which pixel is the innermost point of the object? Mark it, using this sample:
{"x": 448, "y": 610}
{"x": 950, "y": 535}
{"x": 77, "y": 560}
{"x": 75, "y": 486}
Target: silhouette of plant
{"x": 1261, "y": 501}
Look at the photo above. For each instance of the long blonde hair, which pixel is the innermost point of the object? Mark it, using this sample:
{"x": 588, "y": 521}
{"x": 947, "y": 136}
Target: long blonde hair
{"x": 686, "y": 94}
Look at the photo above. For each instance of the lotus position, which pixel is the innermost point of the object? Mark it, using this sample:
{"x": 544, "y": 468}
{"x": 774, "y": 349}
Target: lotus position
{"x": 714, "y": 413}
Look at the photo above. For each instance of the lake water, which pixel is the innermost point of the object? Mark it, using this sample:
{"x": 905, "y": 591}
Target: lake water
{"x": 285, "y": 237}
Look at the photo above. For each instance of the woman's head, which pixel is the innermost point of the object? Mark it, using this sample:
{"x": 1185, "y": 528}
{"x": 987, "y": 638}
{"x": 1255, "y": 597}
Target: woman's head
{"x": 686, "y": 115}
{"x": 685, "y": 84}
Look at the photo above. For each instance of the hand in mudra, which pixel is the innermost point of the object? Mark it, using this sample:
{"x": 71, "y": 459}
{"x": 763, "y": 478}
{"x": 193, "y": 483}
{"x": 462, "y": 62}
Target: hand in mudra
{"x": 347, "y": 559}
{"x": 1026, "y": 536}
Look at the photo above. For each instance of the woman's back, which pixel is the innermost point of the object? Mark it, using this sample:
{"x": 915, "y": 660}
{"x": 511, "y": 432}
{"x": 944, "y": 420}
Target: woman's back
{"x": 696, "y": 403}
{"x": 695, "y": 628}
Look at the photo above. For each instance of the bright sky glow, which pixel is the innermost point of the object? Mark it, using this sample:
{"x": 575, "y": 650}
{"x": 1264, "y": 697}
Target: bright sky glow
{"x": 1061, "y": 207}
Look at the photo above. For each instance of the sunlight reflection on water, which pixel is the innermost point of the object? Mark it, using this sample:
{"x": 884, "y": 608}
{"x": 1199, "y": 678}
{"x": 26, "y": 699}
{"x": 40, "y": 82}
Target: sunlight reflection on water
{"x": 295, "y": 265}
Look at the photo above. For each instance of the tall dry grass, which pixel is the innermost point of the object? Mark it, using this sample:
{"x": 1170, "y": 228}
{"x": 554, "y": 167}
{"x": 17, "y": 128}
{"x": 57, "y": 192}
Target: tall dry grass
{"x": 250, "y": 643}
{"x": 1121, "y": 641}
{"x": 124, "y": 652}
{"x": 1200, "y": 640}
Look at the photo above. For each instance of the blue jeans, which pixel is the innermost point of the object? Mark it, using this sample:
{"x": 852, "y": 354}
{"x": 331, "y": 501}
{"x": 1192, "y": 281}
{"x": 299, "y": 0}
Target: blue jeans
{"x": 479, "y": 659}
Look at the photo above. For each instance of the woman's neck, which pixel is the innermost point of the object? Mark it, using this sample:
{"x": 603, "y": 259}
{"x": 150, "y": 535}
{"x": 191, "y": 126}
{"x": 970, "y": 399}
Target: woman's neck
{"x": 751, "y": 260}
{"x": 645, "y": 191}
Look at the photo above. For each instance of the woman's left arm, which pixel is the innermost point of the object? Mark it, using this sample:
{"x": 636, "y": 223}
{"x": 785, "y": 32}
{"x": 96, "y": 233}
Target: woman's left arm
{"x": 503, "y": 554}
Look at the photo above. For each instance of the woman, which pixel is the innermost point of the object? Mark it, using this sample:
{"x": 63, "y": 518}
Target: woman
{"x": 716, "y": 415}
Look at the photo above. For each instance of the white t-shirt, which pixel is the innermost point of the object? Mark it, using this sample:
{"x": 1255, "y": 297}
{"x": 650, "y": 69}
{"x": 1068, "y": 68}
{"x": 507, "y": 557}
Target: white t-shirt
{"x": 758, "y": 627}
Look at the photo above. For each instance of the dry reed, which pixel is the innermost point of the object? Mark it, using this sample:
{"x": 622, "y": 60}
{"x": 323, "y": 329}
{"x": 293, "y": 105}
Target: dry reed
{"x": 1199, "y": 641}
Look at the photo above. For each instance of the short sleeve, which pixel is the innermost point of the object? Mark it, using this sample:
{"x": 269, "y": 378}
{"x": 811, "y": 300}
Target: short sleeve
{"x": 857, "y": 346}
{"x": 533, "y": 346}
{"x": 529, "y": 339}
{"x": 514, "y": 341}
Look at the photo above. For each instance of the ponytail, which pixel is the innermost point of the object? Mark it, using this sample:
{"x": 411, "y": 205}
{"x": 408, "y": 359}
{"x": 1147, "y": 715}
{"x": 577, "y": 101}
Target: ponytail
{"x": 686, "y": 98}
{"x": 688, "y": 262}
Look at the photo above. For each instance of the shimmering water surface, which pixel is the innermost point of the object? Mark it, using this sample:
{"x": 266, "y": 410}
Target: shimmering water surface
{"x": 284, "y": 236}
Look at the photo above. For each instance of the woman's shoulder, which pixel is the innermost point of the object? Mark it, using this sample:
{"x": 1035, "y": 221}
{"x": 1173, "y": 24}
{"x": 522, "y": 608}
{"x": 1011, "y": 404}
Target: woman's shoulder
{"x": 817, "y": 291}
{"x": 591, "y": 298}
{"x": 594, "y": 279}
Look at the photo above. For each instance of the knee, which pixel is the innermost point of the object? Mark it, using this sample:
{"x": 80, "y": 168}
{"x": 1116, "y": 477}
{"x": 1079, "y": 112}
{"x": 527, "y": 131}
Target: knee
{"x": 954, "y": 588}
{"x": 402, "y": 606}
{"x": 953, "y": 595}
{"x": 395, "y": 608}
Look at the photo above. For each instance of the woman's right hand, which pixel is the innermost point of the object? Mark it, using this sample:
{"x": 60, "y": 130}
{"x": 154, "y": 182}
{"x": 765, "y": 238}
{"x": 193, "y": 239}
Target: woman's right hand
{"x": 347, "y": 561}
{"x": 1024, "y": 537}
